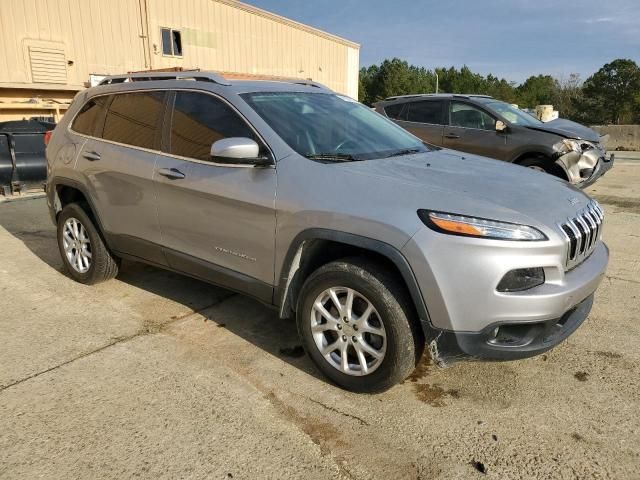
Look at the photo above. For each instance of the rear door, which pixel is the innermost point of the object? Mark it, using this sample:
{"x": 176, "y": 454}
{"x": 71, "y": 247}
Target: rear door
{"x": 117, "y": 162}
{"x": 217, "y": 220}
{"x": 425, "y": 119}
{"x": 472, "y": 129}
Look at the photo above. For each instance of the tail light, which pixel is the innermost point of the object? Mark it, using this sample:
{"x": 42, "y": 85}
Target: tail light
{"x": 47, "y": 137}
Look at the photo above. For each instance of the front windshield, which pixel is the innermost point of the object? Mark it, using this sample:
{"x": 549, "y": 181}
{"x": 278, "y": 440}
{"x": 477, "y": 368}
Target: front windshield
{"x": 331, "y": 127}
{"x": 514, "y": 115}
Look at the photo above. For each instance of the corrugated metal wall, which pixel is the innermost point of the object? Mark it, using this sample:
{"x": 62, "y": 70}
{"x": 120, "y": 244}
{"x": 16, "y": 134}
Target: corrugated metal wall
{"x": 96, "y": 36}
{"x": 61, "y": 42}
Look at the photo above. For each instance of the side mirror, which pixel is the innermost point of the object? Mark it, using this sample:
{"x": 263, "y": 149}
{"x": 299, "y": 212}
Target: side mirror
{"x": 239, "y": 151}
{"x": 500, "y": 126}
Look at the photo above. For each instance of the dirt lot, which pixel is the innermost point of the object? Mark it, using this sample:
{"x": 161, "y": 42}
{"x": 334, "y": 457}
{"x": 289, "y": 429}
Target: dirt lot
{"x": 156, "y": 375}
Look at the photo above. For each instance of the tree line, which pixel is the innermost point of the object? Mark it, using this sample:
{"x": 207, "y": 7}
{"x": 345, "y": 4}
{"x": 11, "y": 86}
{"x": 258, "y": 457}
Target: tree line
{"x": 609, "y": 96}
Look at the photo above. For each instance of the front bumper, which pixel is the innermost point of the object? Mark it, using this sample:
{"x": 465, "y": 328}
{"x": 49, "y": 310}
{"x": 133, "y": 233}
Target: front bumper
{"x": 458, "y": 277}
{"x": 508, "y": 341}
{"x": 584, "y": 169}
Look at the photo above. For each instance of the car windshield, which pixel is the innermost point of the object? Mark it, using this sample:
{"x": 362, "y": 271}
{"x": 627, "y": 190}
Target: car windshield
{"x": 514, "y": 115}
{"x": 330, "y": 127}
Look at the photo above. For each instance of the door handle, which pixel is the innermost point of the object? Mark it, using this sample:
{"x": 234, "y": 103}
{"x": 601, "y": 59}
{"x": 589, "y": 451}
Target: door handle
{"x": 91, "y": 156}
{"x": 451, "y": 135}
{"x": 172, "y": 173}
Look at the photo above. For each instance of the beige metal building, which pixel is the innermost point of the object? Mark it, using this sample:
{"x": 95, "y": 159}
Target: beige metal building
{"x": 50, "y": 49}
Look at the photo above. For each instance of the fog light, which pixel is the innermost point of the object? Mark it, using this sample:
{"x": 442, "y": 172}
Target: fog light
{"x": 521, "y": 279}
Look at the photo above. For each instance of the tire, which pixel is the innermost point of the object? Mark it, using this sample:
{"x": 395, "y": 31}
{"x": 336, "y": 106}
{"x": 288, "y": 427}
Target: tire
{"x": 535, "y": 164}
{"x": 99, "y": 265}
{"x": 400, "y": 345}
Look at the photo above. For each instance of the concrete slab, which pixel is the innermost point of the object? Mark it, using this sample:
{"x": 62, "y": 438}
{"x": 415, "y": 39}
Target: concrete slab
{"x": 155, "y": 375}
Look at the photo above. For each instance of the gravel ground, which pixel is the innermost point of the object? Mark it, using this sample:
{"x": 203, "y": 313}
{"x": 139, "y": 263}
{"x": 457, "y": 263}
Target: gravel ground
{"x": 155, "y": 375}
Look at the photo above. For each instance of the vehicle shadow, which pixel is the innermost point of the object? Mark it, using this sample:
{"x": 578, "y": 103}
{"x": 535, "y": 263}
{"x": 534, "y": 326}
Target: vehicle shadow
{"x": 28, "y": 221}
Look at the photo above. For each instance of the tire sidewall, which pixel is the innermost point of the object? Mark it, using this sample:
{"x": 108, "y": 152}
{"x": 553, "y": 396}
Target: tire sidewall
{"x": 75, "y": 211}
{"x": 400, "y": 347}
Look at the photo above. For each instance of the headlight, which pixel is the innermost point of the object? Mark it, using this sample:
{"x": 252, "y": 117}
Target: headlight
{"x": 478, "y": 227}
{"x": 572, "y": 145}
{"x": 568, "y": 145}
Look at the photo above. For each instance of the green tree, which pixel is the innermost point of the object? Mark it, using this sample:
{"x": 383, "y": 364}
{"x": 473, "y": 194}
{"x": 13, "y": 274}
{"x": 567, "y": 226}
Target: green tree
{"x": 567, "y": 97}
{"x": 611, "y": 94}
{"x": 395, "y": 77}
{"x": 536, "y": 90}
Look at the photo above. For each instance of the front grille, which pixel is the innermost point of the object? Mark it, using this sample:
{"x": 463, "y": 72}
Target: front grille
{"x": 582, "y": 233}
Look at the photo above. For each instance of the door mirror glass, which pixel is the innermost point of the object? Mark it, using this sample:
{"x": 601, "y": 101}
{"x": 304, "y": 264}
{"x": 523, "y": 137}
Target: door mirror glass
{"x": 500, "y": 126}
{"x": 238, "y": 150}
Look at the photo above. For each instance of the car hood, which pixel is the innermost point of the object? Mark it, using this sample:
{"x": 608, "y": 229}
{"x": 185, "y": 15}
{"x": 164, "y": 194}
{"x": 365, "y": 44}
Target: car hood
{"x": 569, "y": 129}
{"x": 451, "y": 181}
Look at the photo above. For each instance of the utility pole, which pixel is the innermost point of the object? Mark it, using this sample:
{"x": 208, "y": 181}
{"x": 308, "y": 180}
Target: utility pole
{"x": 437, "y": 79}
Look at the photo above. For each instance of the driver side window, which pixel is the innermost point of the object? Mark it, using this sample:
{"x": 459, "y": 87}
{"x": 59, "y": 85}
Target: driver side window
{"x": 467, "y": 116}
{"x": 198, "y": 120}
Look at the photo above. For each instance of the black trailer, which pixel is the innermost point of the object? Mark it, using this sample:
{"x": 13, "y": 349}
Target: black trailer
{"x": 22, "y": 160}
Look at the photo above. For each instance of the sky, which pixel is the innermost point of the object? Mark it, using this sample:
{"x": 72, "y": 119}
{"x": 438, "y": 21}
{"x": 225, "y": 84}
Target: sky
{"x": 512, "y": 39}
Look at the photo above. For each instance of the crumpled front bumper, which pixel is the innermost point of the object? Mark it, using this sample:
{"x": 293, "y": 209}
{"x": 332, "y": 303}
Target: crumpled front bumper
{"x": 583, "y": 169}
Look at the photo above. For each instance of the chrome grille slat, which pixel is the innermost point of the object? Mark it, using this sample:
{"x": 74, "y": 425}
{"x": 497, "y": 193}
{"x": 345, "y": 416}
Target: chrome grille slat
{"x": 592, "y": 227}
{"x": 582, "y": 233}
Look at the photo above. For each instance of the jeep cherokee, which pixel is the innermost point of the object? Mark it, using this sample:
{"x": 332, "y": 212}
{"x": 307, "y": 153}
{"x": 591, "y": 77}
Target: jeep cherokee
{"x": 310, "y": 202}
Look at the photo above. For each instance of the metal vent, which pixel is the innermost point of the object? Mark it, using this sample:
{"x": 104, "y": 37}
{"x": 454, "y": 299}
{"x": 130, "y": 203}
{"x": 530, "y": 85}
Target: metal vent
{"x": 582, "y": 233}
{"x": 48, "y": 65}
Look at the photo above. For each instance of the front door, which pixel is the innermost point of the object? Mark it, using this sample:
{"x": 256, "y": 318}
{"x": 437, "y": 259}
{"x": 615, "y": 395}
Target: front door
{"x": 473, "y": 130}
{"x": 217, "y": 221}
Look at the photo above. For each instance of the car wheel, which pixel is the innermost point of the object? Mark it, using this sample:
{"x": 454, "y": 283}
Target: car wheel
{"x": 546, "y": 166}
{"x": 535, "y": 164}
{"x": 358, "y": 326}
{"x": 83, "y": 251}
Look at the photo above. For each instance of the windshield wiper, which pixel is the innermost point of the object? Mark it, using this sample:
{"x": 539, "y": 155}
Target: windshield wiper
{"x": 334, "y": 157}
{"x": 406, "y": 151}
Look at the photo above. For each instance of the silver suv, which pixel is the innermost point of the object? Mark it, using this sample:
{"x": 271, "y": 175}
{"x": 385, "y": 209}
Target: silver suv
{"x": 310, "y": 202}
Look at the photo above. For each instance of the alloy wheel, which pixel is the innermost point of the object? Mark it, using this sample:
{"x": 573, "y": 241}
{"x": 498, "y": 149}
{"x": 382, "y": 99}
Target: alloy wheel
{"x": 77, "y": 245}
{"x": 348, "y": 331}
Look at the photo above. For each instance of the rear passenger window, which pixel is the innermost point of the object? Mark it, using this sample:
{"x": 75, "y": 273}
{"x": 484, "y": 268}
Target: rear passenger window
{"x": 199, "y": 120}
{"x": 133, "y": 118}
{"x": 89, "y": 115}
{"x": 426, "y": 112}
{"x": 394, "y": 111}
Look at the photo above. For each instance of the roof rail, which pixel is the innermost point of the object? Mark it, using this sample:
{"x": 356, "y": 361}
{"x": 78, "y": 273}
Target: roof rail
{"x": 471, "y": 95}
{"x": 310, "y": 83}
{"x": 395, "y": 97}
{"x": 446, "y": 95}
{"x": 150, "y": 76}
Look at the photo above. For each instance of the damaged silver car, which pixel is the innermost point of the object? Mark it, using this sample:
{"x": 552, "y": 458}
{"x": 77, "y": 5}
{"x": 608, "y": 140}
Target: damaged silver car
{"x": 485, "y": 126}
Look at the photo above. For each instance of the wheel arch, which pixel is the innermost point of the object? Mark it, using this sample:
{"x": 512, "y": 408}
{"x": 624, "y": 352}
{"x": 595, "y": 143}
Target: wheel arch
{"x": 531, "y": 154}
{"x": 315, "y": 247}
{"x": 554, "y": 168}
{"x": 65, "y": 191}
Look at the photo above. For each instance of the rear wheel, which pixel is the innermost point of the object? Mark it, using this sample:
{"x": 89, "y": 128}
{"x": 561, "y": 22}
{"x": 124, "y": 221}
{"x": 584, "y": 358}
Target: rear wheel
{"x": 82, "y": 249}
{"x": 356, "y": 324}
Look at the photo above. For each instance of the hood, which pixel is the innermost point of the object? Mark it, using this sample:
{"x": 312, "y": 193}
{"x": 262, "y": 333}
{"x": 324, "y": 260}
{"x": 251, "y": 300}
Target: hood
{"x": 569, "y": 129}
{"x": 450, "y": 181}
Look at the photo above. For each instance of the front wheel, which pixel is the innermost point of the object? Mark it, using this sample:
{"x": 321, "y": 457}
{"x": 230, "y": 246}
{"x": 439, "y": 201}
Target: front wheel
{"x": 357, "y": 325}
{"x": 542, "y": 165}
